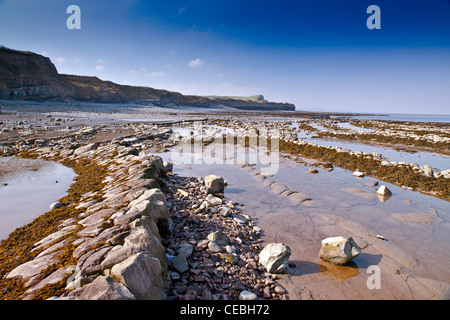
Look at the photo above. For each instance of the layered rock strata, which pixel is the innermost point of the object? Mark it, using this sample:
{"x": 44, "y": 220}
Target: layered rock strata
{"x": 115, "y": 241}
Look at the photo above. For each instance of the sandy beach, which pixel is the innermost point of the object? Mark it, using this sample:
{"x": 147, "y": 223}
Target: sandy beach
{"x": 305, "y": 199}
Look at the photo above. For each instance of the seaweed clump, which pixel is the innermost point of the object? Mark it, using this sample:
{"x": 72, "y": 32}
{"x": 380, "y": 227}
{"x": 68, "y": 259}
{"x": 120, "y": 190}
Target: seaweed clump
{"x": 16, "y": 249}
{"x": 400, "y": 175}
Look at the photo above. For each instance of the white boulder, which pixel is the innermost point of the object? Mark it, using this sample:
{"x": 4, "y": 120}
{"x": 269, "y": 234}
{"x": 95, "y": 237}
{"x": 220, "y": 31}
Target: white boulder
{"x": 384, "y": 191}
{"x": 55, "y": 205}
{"x": 247, "y": 295}
{"x": 141, "y": 274}
{"x": 214, "y": 184}
{"x": 274, "y": 257}
{"x": 339, "y": 250}
{"x": 358, "y": 174}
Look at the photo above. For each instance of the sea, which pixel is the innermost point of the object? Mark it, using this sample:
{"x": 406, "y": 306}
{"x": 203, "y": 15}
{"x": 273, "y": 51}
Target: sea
{"x": 406, "y": 117}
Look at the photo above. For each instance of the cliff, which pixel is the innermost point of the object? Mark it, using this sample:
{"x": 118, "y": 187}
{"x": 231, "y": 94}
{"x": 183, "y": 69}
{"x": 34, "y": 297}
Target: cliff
{"x": 30, "y": 76}
{"x": 26, "y": 75}
{"x": 92, "y": 89}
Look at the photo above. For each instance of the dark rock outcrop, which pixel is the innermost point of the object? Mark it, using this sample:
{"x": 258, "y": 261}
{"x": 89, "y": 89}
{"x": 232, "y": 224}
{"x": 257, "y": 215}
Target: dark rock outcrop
{"x": 30, "y": 76}
{"x": 26, "y": 75}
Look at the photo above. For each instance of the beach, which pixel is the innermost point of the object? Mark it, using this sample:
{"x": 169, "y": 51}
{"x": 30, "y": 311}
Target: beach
{"x": 294, "y": 180}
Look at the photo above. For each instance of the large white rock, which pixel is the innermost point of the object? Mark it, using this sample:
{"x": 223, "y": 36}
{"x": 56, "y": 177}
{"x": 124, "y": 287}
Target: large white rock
{"x": 141, "y": 274}
{"x": 214, "y": 184}
{"x": 145, "y": 237}
{"x": 274, "y": 257}
{"x": 106, "y": 288}
{"x": 384, "y": 191}
{"x": 339, "y": 250}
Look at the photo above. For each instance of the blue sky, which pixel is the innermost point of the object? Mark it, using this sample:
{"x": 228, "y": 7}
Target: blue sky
{"x": 318, "y": 55}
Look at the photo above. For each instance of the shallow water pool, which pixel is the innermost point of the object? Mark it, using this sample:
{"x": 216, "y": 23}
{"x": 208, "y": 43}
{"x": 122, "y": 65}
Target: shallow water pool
{"x": 28, "y": 188}
{"x": 435, "y": 160}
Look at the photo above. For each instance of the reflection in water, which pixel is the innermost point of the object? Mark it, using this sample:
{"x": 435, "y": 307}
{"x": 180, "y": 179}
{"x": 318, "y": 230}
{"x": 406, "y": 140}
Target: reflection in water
{"x": 337, "y": 273}
{"x": 28, "y": 188}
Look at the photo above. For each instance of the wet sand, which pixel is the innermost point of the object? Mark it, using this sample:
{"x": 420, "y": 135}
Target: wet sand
{"x": 412, "y": 257}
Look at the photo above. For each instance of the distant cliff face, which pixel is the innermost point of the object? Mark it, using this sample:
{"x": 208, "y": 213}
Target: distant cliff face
{"x": 29, "y": 76}
{"x": 92, "y": 89}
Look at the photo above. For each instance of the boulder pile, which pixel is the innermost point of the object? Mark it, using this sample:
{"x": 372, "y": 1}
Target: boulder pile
{"x": 213, "y": 247}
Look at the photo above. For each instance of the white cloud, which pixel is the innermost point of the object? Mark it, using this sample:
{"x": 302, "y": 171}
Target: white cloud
{"x": 158, "y": 74}
{"x": 132, "y": 71}
{"x": 143, "y": 69}
{"x": 99, "y": 61}
{"x": 76, "y": 60}
{"x": 60, "y": 60}
{"x": 197, "y": 63}
{"x": 99, "y": 68}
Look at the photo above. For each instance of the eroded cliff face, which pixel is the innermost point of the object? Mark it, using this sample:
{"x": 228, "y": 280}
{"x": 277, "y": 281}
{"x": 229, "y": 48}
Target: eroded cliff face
{"x": 26, "y": 75}
{"x": 92, "y": 89}
{"x": 29, "y": 76}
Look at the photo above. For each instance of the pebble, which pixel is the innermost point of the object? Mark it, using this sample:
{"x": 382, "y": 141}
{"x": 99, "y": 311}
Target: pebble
{"x": 267, "y": 294}
{"x": 279, "y": 290}
{"x": 358, "y": 174}
{"x": 230, "y": 249}
{"x": 239, "y": 219}
{"x": 224, "y": 257}
{"x": 247, "y": 295}
{"x": 55, "y": 205}
{"x": 212, "y": 246}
